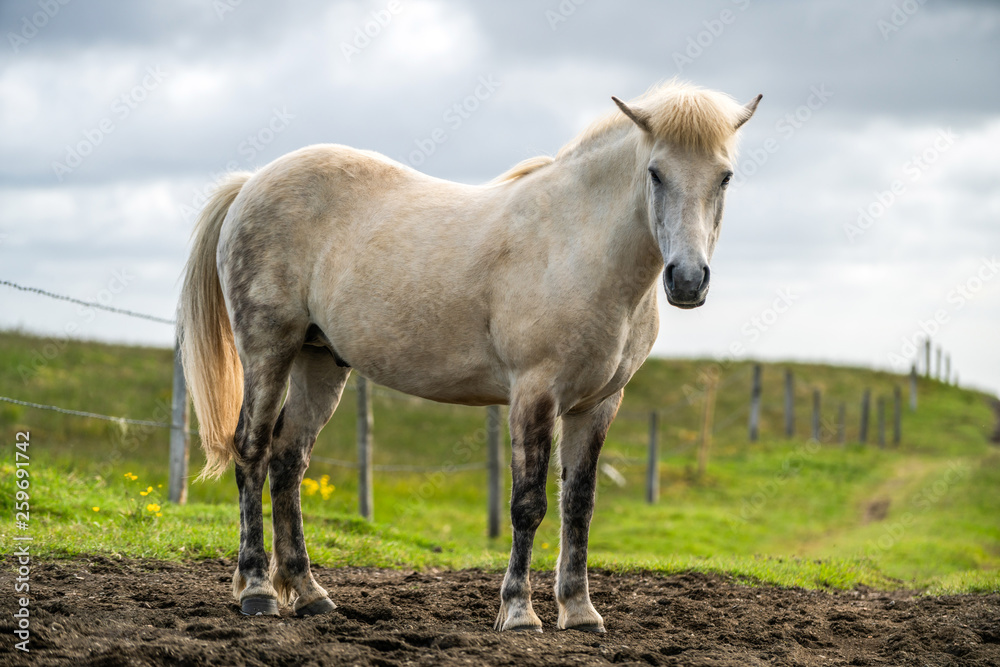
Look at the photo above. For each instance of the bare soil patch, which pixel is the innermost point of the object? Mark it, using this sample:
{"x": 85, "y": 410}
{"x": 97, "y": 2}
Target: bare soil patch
{"x": 99, "y": 611}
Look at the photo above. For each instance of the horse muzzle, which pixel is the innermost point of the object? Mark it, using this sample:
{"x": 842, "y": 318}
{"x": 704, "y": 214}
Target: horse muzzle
{"x": 686, "y": 286}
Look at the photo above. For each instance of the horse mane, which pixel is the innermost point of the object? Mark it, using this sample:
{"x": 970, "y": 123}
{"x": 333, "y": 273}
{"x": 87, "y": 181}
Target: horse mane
{"x": 523, "y": 168}
{"x": 692, "y": 117}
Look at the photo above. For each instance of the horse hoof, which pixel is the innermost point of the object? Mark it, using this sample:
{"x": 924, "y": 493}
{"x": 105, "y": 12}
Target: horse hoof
{"x": 259, "y": 607}
{"x": 525, "y": 628}
{"x": 590, "y": 627}
{"x": 317, "y": 607}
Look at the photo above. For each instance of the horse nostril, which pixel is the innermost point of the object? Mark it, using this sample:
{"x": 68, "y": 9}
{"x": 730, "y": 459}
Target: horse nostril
{"x": 706, "y": 273}
{"x": 670, "y": 277}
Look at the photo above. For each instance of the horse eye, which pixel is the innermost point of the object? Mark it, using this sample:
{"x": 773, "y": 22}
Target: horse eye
{"x": 653, "y": 175}
{"x": 726, "y": 180}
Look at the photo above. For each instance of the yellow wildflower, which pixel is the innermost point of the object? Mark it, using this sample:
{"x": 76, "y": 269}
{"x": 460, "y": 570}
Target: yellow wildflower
{"x": 96, "y": 509}
{"x": 152, "y": 507}
{"x": 129, "y": 476}
{"x": 310, "y": 486}
{"x": 148, "y": 491}
{"x": 325, "y": 488}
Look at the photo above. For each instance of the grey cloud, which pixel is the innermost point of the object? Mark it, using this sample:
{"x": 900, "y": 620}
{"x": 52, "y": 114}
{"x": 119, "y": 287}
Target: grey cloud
{"x": 786, "y": 222}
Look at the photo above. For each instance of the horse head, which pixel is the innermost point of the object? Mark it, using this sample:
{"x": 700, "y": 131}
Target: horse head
{"x": 690, "y": 136}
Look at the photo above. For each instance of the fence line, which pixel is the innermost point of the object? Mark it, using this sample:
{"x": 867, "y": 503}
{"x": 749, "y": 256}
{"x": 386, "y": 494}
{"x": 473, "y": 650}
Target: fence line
{"x": 180, "y": 443}
{"x": 89, "y": 304}
{"x": 179, "y": 427}
{"x": 365, "y": 467}
{"x": 322, "y": 459}
{"x": 719, "y": 425}
{"x": 92, "y": 415}
{"x": 392, "y": 467}
{"x": 366, "y": 421}
{"x": 494, "y": 466}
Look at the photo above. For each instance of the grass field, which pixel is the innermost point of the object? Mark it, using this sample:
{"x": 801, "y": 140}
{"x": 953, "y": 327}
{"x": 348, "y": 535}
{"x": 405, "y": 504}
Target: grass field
{"x": 788, "y": 511}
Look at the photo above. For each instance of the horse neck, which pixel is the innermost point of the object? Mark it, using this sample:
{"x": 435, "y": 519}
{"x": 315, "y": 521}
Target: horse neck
{"x": 606, "y": 177}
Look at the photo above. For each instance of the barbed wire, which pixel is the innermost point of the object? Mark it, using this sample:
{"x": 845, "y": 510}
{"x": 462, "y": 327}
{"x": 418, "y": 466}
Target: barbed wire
{"x": 376, "y": 390}
{"x": 686, "y": 401}
{"x": 89, "y": 304}
{"x": 479, "y": 465}
{"x": 718, "y": 426}
{"x": 92, "y": 415}
{"x": 389, "y": 467}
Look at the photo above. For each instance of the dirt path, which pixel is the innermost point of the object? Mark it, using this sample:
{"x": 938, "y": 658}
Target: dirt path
{"x": 98, "y": 611}
{"x": 873, "y": 506}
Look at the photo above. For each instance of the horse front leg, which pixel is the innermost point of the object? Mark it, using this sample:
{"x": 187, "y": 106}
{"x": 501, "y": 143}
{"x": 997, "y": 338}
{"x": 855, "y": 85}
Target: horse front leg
{"x": 582, "y": 439}
{"x": 532, "y": 421}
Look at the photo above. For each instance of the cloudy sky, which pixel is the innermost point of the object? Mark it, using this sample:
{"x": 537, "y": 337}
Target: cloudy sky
{"x": 865, "y": 209}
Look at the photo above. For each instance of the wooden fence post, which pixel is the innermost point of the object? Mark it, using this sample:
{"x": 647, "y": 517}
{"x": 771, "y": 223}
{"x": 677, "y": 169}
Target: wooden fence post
{"x": 494, "y": 466}
{"x": 179, "y": 438}
{"x": 913, "y": 387}
{"x": 866, "y": 400}
{"x": 755, "y": 404}
{"x": 897, "y": 418}
{"x": 841, "y": 423}
{"x": 653, "y": 464}
{"x": 706, "y": 424}
{"x": 366, "y": 423}
{"x": 947, "y": 369}
{"x": 937, "y": 365}
{"x": 880, "y": 411}
{"x": 789, "y": 404}
{"x": 927, "y": 358}
{"x": 815, "y": 415}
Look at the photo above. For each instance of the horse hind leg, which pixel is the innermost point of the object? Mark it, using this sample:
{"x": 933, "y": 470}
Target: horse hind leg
{"x": 267, "y": 351}
{"x": 317, "y": 383}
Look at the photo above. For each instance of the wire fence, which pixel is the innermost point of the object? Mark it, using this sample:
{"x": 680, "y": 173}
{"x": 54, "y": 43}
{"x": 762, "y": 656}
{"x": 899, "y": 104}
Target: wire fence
{"x": 81, "y": 413}
{"x": 627, "y": 414}
{"x": 89, "y": 304}
{"x": 458, "y": 467}
{"x": 704, "y": 394}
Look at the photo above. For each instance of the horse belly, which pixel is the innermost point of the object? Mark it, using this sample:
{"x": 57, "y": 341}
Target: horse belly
{"x": 418, "y": 347}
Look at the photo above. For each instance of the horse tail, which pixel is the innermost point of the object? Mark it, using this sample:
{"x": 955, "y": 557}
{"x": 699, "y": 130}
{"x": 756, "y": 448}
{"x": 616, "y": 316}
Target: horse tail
{"x": 212, "y": 365}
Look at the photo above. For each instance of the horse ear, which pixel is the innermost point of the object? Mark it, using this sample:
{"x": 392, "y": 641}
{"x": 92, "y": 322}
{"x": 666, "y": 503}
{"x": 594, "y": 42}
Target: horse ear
{"x": 639, "y": 117}
{"x": 748, "y": 110}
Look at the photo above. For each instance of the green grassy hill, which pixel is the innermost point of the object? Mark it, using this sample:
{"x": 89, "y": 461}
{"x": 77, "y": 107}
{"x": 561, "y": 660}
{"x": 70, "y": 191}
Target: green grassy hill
{"x": 783, "y": 510}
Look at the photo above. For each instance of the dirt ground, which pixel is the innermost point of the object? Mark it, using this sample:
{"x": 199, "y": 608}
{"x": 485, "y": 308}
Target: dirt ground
{"x": 98, "y": 611}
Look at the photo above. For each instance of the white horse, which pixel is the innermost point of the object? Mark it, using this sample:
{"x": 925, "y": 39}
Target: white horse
{"x": 537, "y": 289}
